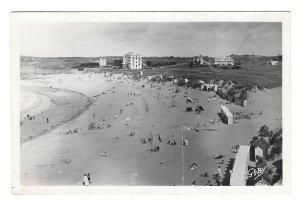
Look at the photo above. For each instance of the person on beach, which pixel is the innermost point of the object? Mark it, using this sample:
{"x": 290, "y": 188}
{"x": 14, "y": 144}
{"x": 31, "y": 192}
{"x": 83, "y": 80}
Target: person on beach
{"x": 47, "y": 120}
{"x": 121, "y": 111}
{"x": 172, "y": 141}
{"x": 159, "y": 138}
{"x": 217, "y": 183}
{"x": 185, "y": 142}
{"x": 85, "y": 180}
{"x": 220, "y": 172}
{"x": 94, "y": 115}
{"x": 89, "y": 178}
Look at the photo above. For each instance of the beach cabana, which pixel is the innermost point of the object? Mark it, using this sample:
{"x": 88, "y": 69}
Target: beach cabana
{"x": 261, "y": 145}
{"x": 239, "y": 172}
{"x": 214, "y": 88}
{"x": 244, "y": 102}
{"x": 226, "y": 115}
{"x": 206, "y": 87}
{"x": 149, "y": 78}
{"x": 264, "y": 132}
{"x": 201, "y": 87}
{"x": 201, "y": 81}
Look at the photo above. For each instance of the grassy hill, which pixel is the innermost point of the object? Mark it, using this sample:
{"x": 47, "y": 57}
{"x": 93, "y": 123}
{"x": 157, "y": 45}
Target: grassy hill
{"x": 256, "y": 69}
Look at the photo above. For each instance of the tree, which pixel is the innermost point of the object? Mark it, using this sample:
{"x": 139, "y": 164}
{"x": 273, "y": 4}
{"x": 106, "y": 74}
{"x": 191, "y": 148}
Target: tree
{"x": 149, "y": 63}
{"x": 117, "y": 62}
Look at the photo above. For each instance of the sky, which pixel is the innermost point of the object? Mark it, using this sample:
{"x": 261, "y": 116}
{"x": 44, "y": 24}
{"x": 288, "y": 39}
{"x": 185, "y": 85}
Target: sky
{"x": 150, "y": 39}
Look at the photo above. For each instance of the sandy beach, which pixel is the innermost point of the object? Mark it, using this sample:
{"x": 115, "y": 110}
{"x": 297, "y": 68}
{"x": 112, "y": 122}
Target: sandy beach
{"x": 52, "y": 155}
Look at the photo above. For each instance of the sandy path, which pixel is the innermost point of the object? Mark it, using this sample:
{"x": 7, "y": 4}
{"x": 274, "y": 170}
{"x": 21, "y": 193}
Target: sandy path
{"x": 60, "y": 159}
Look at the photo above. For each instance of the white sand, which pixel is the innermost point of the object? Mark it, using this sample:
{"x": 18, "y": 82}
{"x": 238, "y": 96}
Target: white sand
{"x": 60, "y": 159}
{"x": 33, "y": 103}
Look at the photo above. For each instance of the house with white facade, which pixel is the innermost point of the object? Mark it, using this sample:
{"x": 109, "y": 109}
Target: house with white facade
{"x": 102, "y": 61}
{"x": 274, "y": 62}
{"x": 132, "y": 61}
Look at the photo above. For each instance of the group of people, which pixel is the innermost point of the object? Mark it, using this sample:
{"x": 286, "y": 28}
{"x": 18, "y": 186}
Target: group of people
{"x": 104, "y": 155}
{"x": 172, "y": 141}
{"x": 220, "y": 156}
{"x": 155, "y": 149}
{"x": 86, "y": 179}
{"x": 30, "y": 117}
{"x": 235, "y": 148}
{"x": 73, "y": 131}
{"x": 132, "y": 134}
{"x": 216, "y": 183}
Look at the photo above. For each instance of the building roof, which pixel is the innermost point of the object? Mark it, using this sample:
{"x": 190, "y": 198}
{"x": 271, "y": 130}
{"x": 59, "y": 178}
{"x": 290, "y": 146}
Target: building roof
{"x": 260, "y": 141}
{"x": 224, "y": 58}
{"x": 240, "y": 167}
{"x": 264, "y": 130}
{"x": 133, "y": 54}
{"x": 226, "y": 111}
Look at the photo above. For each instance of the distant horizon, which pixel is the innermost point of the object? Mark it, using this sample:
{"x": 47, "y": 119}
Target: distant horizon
{"x": 87, "y": 39}
{"x": 146, "y": 56}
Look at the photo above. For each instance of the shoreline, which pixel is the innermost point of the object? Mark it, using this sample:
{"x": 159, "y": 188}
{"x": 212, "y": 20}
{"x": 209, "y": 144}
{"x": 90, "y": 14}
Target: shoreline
{"x": 45, "y": 111}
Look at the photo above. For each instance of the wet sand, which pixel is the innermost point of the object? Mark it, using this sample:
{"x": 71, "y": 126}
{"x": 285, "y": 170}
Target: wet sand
{"x": 57, "y": 158}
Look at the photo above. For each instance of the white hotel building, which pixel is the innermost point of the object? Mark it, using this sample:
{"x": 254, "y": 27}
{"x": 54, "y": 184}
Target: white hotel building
{"x": 132, "y": 61}
{"x": 224, "y": 61}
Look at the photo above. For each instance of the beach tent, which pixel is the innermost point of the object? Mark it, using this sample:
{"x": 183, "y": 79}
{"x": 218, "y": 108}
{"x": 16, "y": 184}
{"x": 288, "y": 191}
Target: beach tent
{"x": 189, "y": 100}
{"x": 153, "y": 140}
{"x": 199, "y": 109}
{"x": 91, "y": 126}
{"x": 189, "y": 109}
